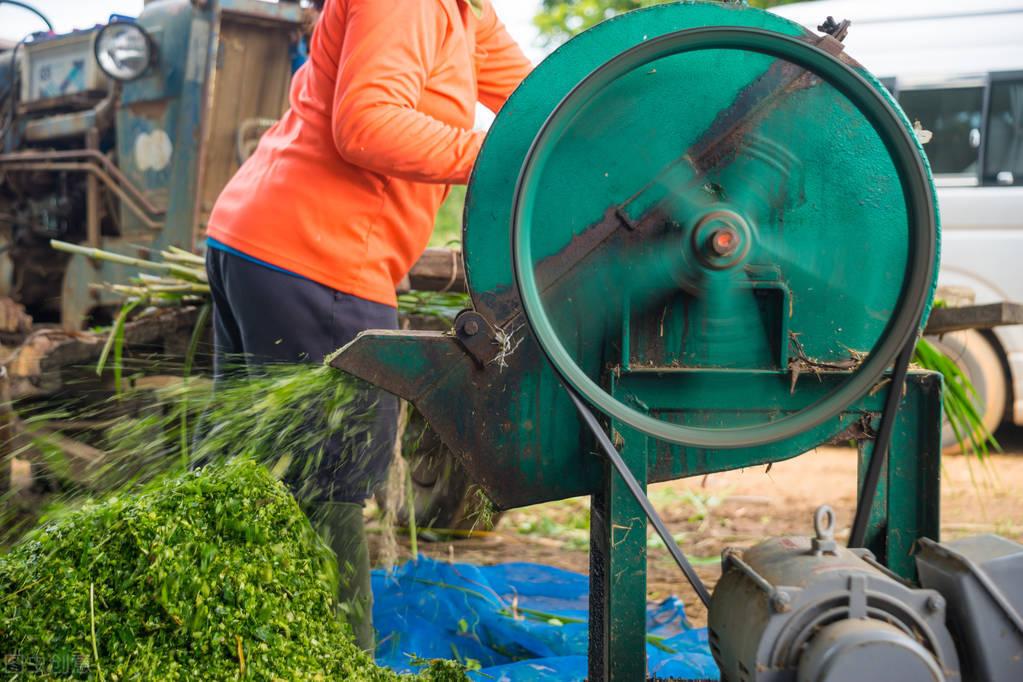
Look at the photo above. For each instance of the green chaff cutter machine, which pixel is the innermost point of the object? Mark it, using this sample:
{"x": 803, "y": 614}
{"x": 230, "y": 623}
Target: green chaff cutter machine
{"x": 698, "y": 238}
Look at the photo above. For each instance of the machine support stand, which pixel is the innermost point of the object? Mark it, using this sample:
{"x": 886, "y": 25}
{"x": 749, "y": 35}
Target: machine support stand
{"x": 905, "y": 505}
{"x": 619, "y": 512}
{"x": 618, "y": 576}
{"x": 872, "y": 475}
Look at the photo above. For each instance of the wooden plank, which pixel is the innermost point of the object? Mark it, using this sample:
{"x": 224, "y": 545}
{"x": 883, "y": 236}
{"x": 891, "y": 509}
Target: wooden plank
{"x": 987, "y": 316}
{"x": 438, "y": 270}
{"x": 246, "y": 47}
{"x": 35, "y": 369}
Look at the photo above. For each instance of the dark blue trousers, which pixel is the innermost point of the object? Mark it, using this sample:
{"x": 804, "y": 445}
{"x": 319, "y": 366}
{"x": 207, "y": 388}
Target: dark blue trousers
{"x": 262, "y": 315}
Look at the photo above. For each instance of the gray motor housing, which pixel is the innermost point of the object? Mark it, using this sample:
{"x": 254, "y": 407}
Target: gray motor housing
{"x": 801, "y": 610}
{"x": 981, "y": 577}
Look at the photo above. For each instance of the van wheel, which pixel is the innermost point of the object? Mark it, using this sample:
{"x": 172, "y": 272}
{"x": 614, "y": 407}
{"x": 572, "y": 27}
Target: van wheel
{"x": 980, "y": 361}
{"x": 445, "y": 498}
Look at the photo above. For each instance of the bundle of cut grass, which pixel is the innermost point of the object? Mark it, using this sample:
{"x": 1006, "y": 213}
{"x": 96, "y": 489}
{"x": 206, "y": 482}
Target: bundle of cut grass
{"x": 206, "y": 575}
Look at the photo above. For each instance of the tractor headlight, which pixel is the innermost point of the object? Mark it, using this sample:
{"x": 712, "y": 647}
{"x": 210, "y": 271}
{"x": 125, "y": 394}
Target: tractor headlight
{"x": 124, "y": 50}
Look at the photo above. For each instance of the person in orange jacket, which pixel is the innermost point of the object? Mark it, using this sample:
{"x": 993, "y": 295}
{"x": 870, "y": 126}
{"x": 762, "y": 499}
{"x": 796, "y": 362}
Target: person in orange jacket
{"x": 308, "y": 241}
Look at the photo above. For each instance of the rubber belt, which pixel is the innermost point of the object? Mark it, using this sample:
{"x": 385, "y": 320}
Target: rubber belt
{"x": 881, "y": 444}
{"x": 637, "y": 492}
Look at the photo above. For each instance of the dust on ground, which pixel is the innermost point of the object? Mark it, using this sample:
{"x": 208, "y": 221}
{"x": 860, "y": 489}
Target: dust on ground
{"x": 739, "y": 508}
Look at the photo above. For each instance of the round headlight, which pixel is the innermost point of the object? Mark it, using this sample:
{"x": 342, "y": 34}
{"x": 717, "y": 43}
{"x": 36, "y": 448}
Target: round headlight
{"x": 123, "y": 50}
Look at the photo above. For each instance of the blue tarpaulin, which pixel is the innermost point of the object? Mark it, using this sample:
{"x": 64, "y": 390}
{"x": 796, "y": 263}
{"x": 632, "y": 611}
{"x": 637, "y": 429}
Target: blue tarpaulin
{"x": 519, "y": 621}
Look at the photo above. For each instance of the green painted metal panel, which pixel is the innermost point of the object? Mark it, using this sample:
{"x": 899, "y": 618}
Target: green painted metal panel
{"x": 907, "y": 505}
{"x": 489, "y": 202}
{"x": 618, "y": 558}
{"x": 812, "y": 172}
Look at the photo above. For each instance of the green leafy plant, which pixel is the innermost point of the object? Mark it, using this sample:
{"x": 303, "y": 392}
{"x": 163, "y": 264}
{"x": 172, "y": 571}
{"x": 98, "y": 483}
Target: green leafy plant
{"x": 207, "y": 575}
{"x": 959, "y": 399}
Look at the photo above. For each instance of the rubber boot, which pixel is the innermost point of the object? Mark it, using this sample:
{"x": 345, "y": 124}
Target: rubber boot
{"x": 341, "y": 526}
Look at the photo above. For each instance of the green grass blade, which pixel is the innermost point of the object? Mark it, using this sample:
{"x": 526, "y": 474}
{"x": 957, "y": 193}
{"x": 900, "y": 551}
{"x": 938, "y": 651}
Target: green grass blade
{"x": 115, "y": 342}
{"x": 201, "y": 323}
{"x": 959, "y": 399}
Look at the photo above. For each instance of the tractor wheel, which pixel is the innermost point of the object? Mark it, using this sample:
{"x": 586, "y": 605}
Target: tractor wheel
{"x": 980, "y": 361}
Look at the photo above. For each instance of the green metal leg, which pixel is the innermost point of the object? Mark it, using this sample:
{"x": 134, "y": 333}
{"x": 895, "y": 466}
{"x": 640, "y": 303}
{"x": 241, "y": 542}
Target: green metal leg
{"x": 906, "y": 506}
{"x": 618, "y": 575}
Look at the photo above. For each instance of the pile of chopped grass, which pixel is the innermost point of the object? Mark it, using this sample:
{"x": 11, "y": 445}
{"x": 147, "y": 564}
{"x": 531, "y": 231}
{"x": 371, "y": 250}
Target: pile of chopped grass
{"x": 207, "y": 575}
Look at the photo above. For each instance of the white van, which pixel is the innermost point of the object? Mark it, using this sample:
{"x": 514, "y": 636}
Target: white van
{"x": 957, "y": 67}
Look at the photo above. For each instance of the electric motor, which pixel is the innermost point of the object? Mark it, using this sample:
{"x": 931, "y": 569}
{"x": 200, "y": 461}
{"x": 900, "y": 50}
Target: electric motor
{"x": 808, "y": 610}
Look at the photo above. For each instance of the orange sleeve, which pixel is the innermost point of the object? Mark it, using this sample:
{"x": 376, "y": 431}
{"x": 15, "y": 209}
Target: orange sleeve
{"x": 388, "y": 51}
{"x": 504, "y": 66}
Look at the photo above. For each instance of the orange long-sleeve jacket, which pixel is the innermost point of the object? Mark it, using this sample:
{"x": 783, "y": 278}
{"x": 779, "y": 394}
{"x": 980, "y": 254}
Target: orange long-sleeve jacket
{"x": 344, "y": 189}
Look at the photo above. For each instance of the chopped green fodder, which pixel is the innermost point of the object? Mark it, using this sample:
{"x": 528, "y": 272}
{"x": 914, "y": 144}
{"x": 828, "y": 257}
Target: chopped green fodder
{"x": 284, "y": 417}
{"x": 207, "y": 575}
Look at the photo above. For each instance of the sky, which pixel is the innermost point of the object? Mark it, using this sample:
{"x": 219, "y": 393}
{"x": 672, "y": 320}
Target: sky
{"x": 70, "y": 14}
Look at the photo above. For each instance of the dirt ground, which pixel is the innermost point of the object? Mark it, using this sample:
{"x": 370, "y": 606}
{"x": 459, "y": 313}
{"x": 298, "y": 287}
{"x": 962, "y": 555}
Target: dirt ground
{"x": 740, "y": 508}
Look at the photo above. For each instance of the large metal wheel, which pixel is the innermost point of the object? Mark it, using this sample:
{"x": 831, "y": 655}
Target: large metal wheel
{"x": 723, "y": 232}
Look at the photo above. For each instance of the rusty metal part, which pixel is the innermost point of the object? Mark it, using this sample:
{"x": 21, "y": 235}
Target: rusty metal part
{"x": 106, "y": 170}
{"x": 859, "y": 431}
{"x": 92, "y": 226}
{"x": 721, "y": 239}
{"x": 74, "y": 123}
{"x": 836, "y": 29}
{"x": 92, "y": 169}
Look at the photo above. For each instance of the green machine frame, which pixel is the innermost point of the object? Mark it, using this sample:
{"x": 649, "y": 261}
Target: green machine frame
{"x": 904, "y": 509}
{"x": 718, "y": 230}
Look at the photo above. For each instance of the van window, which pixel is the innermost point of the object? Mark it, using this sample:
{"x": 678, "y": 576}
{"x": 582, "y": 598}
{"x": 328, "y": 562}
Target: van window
{"x": 953, "y": 115}
{"x": 1003, "y": 155}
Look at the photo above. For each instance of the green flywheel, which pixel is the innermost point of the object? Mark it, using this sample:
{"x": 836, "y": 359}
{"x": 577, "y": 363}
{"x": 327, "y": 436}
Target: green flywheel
{"x": 738, "y": 210}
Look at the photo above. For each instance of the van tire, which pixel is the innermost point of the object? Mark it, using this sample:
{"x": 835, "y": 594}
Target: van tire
{"x": 982, "y": 364}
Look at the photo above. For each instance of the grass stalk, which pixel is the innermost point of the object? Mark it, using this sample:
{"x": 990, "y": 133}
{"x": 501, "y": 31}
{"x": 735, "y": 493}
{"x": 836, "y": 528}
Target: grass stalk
{"x": 241, "y": 655}
{"x": 410, "y": 501}
{"x": 141, "y": 263}
{"x": 959, "y": 399}
{"x": 92, "y": 628}
{"x": 193, "y": 348}
{"x": 115, "y": 342}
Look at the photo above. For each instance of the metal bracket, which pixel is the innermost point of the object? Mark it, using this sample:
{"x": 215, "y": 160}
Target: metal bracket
{"x": 478, "y": 337}
{"x": 836, "y": 29}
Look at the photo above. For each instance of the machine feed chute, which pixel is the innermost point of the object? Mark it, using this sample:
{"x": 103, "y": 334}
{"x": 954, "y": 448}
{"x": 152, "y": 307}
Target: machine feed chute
{"x": 718, "y": 230}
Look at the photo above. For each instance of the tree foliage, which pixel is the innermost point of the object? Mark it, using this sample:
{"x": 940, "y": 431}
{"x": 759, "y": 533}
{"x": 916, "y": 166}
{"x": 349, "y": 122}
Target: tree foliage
{"x": 559, "y": 20}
